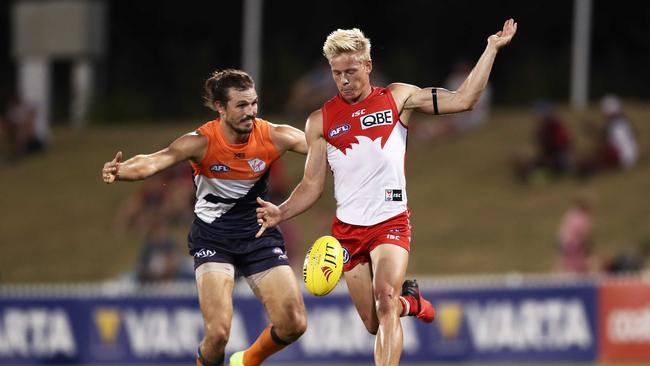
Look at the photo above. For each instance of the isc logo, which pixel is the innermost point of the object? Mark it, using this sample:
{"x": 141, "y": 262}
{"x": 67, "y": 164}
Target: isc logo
{"x": 380, "y": 118}
{"x": 358, "y": 113}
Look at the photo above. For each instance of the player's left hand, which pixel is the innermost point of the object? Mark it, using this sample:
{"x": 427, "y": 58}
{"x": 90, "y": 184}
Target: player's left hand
{"x": 268, "y": 215}
{"x": 504, "y": 36}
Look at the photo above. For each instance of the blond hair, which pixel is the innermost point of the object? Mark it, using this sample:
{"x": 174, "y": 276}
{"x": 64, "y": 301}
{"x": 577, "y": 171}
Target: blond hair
{"x": 347, "y": 41}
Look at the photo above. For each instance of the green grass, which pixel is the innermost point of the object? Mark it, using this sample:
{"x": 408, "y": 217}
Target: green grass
{"x": 468, "y": 214}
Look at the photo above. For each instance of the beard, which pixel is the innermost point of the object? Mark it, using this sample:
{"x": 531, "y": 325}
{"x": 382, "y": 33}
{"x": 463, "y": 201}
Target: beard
{"x": 242, "y": 125}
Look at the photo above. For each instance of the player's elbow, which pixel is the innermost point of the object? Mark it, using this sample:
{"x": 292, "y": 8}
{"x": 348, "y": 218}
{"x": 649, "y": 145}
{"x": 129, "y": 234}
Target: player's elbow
{"x": 467, "y": 102}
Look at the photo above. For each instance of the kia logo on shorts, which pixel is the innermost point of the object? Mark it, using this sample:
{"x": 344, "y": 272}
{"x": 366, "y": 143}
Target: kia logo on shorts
{"x": 205, "y": 253}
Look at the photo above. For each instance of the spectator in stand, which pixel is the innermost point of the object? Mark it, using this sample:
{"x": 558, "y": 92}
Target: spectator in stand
{"x": 616, "y": 146}
{"x": 552, "y": 144}
{"x": 279, "y": 190}
{"x": 575, "y": 239}
{"x": 631, "y": 260}
{"x": 17, "y": 128}
{"x": 165, "y": 199}
{"x": 160, "y": 257}
{"x": 311, "y": 90}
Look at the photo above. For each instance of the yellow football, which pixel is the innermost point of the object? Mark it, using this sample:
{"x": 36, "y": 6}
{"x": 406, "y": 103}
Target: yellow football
{"x": 323, "y": 266}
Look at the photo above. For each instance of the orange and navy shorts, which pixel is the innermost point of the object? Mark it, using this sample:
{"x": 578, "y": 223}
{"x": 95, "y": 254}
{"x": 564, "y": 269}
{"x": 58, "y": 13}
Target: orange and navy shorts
{"x": 358, "y": 241}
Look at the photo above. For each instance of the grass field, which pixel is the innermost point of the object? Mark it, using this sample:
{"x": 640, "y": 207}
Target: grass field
{"x": 468, "y": 214}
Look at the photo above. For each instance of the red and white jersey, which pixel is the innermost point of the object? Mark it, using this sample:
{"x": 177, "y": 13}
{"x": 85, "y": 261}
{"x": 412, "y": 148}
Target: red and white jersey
{"x": 366, "y": 149}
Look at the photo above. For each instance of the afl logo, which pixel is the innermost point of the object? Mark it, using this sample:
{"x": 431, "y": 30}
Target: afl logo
{"x": 339, "y": 130}
{"x": 219, "y": 168}
{"x": 346, "y": 255}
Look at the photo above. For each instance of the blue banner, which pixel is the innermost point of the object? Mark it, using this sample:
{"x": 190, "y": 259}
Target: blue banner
{"x": 479, "y": 324}
{"x": 514, "y": 324}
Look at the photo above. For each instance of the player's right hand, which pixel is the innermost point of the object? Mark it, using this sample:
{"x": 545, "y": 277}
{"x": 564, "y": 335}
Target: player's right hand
{"x": 504, "y": 36}
{"x": 268, "y": 215}
{"x": 111, "y": 169}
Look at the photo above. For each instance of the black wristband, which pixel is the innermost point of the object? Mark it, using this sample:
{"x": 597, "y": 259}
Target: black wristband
{"x": 434, "y": 96}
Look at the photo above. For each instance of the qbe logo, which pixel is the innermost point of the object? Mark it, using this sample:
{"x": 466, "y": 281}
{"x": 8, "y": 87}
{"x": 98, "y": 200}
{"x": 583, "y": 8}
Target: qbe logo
{"x": 381, "y": 118}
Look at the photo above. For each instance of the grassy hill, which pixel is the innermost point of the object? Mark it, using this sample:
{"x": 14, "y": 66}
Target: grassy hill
{"x": 468, "y": 213}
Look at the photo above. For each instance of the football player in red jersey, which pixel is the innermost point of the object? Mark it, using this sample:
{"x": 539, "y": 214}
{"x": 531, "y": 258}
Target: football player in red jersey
{"x": 361, "y": 133}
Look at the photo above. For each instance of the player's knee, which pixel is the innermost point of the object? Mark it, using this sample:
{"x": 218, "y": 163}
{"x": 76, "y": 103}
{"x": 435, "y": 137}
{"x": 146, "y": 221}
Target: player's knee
{"x": 294, "y": 326}
{"x": 386, "y": 301}
{"x": 216, "y": 335}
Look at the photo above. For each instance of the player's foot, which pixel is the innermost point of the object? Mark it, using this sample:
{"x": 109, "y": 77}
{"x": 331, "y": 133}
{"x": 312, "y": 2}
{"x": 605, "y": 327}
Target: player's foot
{"x": 423, "y": 309}
{"x": 237, "y": 359}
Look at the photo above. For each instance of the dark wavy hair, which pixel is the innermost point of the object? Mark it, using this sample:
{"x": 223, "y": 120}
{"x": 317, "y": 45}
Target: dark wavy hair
{"x": 217, "y": 85}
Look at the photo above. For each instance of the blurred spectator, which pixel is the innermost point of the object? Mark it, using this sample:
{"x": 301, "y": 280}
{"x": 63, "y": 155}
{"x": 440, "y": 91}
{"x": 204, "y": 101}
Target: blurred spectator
{"x": 160, "y": 257}
{"x": 279, "y": 190}
{"x": 316, "y": 87}
{"x": 152, "y": 212}
{"x": 575, "y": 239}
{"x": 167, "y": 197}
{"x": 630, "y": 260}
{"x": 462, "y": 122}
{"x": 311, "y": 90}
{"x": 616, "y": 145}
{"x": 552, "y": 144}
{"x": 17, "y": 128}
{"x": 452, "y": 124}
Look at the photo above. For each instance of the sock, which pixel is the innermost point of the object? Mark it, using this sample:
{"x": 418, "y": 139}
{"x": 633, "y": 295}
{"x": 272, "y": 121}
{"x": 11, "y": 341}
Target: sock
{"x": 412, "y": 305}
{"x": 200, "y": 361}
{"x": 405, "y": 306}
{"x": 265, "y": 345}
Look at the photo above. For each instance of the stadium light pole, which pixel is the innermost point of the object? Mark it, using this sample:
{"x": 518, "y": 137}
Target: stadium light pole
{"x": 580, "y": 54}
{"x": 252, "y": 40}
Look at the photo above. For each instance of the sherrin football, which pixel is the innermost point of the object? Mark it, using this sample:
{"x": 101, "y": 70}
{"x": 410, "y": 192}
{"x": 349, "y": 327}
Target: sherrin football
{"x": 323, "y": 266}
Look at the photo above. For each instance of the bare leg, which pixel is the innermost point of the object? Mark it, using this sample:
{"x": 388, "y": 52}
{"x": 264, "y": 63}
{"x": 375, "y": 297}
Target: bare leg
{"x": 278, "y": 290}
{"x": 215, "y": 299}
{"x": 389, "y": 266}
{"x": 359, "y": 282}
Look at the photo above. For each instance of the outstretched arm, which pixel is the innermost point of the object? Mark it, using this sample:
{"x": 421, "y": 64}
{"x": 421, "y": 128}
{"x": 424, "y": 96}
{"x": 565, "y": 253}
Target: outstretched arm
{"x": 469, "y": 91}
{"x": 310, "y": 188}
{"x": 191, "y": 146}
